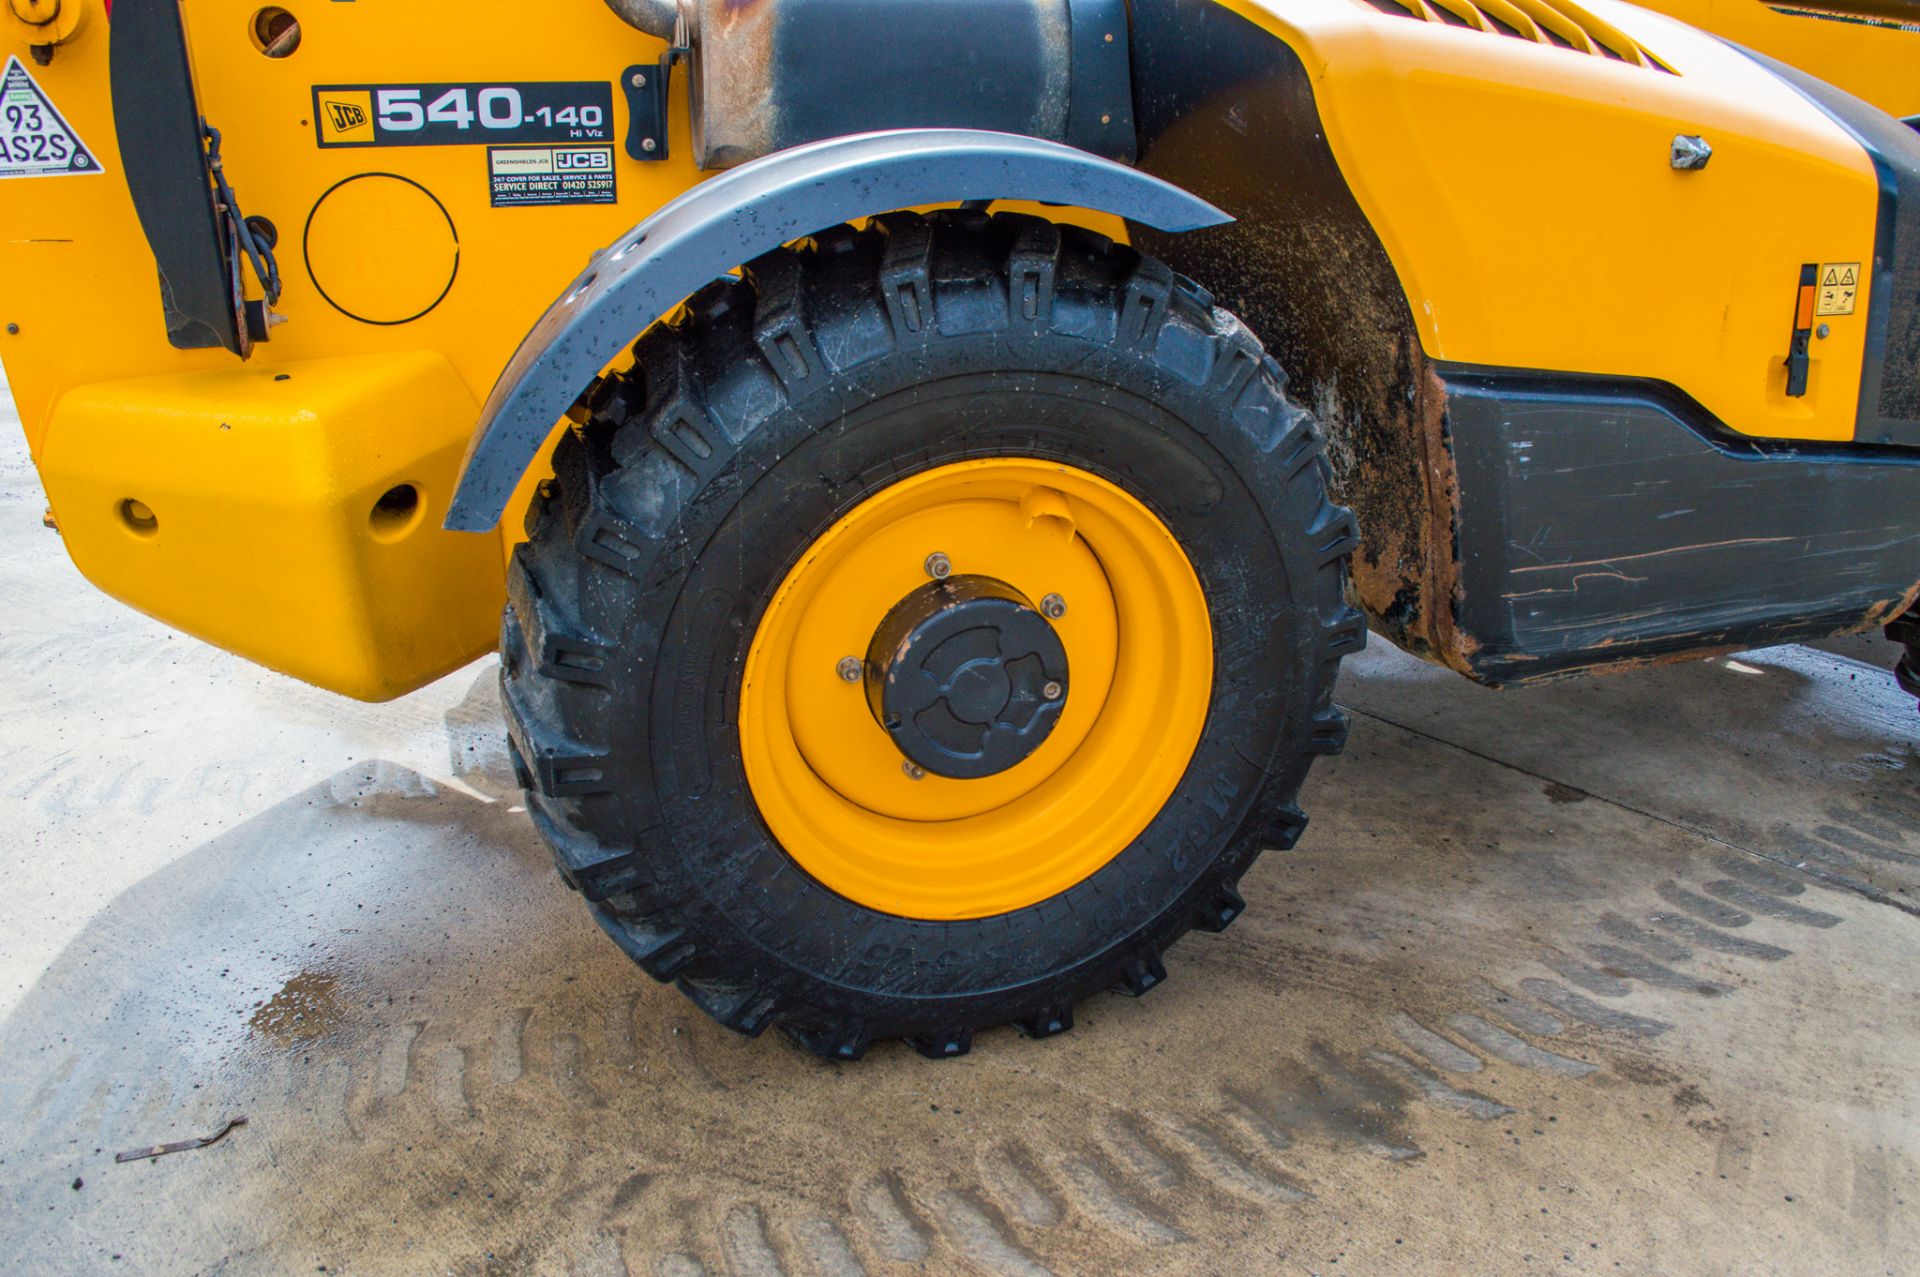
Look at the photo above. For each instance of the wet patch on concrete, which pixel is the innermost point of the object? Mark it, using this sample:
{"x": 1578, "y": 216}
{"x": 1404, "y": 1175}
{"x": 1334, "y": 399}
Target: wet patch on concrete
{"x": 1470, "y": 1025}
{"x": 307, "y": 1006}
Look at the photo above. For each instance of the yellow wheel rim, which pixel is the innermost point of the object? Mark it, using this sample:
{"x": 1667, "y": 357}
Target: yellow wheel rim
{"x": 830, "y": 782}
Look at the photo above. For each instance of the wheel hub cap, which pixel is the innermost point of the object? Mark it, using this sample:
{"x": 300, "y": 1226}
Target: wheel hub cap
{"x": 967, "y": 677}
{"x": 944, "y": 749}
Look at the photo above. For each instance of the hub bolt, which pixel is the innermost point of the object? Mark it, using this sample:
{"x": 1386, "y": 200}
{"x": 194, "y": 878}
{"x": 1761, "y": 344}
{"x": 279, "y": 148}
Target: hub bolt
{"x": 1052, "y": 691}
{"x": 1053, "y": 606}
{"x": 851, "y": 668}
{"x": 939, "y": 566}
{"x": 913, "y": 770}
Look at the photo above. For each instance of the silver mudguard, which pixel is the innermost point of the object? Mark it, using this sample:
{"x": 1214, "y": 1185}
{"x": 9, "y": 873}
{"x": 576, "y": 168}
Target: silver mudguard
{"x": 731, "y": 219}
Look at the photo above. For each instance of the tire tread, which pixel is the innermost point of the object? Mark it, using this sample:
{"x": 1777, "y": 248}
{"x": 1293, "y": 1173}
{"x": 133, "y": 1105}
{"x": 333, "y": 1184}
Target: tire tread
{"x": 741, "y": 352}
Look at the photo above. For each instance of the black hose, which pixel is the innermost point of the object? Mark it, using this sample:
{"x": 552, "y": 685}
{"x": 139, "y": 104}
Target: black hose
{"x": 265, "y": 268}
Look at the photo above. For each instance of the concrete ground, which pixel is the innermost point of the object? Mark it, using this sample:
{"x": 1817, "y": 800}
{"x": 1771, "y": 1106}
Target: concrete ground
{"x": 1607, "y": 977}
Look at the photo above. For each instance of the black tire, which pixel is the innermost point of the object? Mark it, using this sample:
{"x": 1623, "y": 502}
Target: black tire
{"x": 1905, "y": 630}
{"x": 775, "y": 404}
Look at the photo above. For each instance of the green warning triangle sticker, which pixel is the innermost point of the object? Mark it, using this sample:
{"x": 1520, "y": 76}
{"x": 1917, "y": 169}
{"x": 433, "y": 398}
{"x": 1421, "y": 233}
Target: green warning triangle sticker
{"x": 35, "y": 139}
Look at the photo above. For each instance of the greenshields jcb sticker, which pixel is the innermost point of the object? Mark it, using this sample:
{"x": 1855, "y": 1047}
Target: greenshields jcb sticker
{"x": 518, "y": 176}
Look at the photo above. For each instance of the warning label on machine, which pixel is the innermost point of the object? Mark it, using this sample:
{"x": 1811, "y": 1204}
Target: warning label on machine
{"x": 550, "y": 175}
{"x": 34, "y": 140}
{"x": 1839, "y": 285}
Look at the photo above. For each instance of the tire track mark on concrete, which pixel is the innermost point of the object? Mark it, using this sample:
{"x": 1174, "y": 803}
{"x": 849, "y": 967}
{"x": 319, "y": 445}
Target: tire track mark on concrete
{"x": 1752, "y": 898}
{"x": 891, "y": 1222}
{"x": 1012, "y": 1175}
{"x": 1234, "y": 1172}
{"x": 1430, "y": 1046}
{"x": 1436, "y": 1092}
{"x": 1586, "y": 1010}
{"x": 1708, "y": 937}
{"x": 450, "y": 1084}
{"x": 394, "y": 1072}
{"x": 509, "y": 1061}
{"x": 1521, "y": 1015}
{"x": 1497, "y": 1042}
{"x": 970, "y": 1225}
{"x": 825, "y": 1248}
{"x": 1628, "y": 965}
{"x": 1098, "y": 1194}
{"x": 743, "y": 1239}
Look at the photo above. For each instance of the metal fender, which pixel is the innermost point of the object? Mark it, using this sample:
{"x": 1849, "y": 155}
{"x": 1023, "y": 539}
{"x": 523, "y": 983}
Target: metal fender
{"x": 750, "y": 210}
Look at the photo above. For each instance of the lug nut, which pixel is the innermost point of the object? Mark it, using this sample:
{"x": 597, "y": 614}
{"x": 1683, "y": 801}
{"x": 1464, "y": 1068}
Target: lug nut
{"x": 851, "y": 668}
{"x": 913, "y": 770}
{"x": 1052, "y": 691}
{"x": 1054, "y": 607}
{"x": 939, "y": 566}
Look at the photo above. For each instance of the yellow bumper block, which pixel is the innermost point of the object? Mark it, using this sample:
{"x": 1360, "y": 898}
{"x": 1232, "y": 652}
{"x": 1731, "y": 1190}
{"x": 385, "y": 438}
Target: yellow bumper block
{"x": 288, "y": 513}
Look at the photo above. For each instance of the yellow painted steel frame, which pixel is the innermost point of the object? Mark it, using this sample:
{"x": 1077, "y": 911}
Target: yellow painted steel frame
{"x": 273, "y": 511}
{"x": 1875, "y": 58}
{"x": 374, "y": 404}
{"x": 1524, "y": 195}
{"x": 1521, "y": 191}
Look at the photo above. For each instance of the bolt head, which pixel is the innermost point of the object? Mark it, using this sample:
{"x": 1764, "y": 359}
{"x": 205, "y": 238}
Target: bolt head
{"x": 649, "y": 145}
{"x": 851, "y": 668}
{"x": 639, "y": 80}
{"x": 1053, "y": 607}
{"x": 939, "y": 566}
{"x": 912, "y": 770}
{"x": 1823, "y": 332}
{"x": 1690, "y": 152}
{"x": 1053, "y": 691}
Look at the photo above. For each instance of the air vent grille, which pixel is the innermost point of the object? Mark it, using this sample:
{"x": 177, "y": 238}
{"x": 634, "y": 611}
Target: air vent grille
{"x": 1557, "y": 23}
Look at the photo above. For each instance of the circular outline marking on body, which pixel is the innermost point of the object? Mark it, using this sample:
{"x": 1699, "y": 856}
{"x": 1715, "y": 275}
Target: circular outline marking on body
{"x": 306, "y": 256}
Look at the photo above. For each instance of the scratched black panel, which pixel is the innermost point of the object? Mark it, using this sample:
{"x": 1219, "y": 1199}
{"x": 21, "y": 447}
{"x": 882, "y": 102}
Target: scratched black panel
{"x": 1600, "y": 521}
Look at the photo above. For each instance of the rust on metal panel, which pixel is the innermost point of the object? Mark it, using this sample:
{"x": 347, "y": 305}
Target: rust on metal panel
{"x": 1393, "y": 464}
{"x": 1230, "y": 118}
{"x": 732, "y": 83}
{"x": 1332, "y": 312}
{"x": 1889, "y": 610}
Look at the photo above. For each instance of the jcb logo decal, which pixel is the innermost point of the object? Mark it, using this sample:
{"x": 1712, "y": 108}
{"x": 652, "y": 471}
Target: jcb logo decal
{"x": 346, "y": 117}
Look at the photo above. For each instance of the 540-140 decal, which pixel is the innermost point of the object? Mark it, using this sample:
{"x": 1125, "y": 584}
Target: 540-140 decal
{"x": 462, "y": 114}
